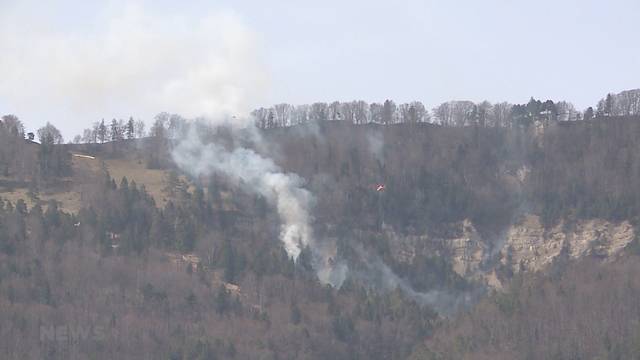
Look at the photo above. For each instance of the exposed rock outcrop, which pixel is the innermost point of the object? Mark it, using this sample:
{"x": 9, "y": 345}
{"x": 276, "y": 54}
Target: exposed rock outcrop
{"x": 527, "y": 246}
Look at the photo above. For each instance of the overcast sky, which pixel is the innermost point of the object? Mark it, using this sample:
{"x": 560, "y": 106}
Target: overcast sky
{"x": 74, "y": 62}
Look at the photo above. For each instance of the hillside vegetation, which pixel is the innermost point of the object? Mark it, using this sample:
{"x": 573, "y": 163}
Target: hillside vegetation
{"x": 441, "y": 227}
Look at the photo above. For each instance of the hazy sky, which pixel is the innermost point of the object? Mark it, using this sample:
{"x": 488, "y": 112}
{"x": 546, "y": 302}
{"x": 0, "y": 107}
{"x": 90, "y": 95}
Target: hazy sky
{"x": 73, "y": 63}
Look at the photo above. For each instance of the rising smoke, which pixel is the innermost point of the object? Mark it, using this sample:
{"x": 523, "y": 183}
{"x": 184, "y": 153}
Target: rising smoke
{"x": 372, "y": 271}
{"x": 139, "y": 62}
{"x": 123, "y": 58}
{"x": 294, "y": 204}
{"x": 375, "y": 142}
{"x": 261, "y": 175}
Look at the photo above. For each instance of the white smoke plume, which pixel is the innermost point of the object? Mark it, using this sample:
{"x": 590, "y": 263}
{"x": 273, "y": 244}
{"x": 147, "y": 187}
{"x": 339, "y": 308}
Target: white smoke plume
{"x": 121, "y": 58}
{"x": 375, "y": 142}
{"x": 261, "y": 175}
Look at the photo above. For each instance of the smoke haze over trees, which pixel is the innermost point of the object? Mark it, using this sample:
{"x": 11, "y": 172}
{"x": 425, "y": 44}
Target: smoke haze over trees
{"x": 336, "y": 180}
{"x": 200, "y": 269}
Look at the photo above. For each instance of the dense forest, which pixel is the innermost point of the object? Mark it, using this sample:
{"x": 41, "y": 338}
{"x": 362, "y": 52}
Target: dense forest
{"x": 197, "y": 270}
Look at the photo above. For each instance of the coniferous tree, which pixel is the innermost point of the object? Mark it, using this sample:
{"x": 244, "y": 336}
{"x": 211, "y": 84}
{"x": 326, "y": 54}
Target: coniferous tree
{"x": 588, "y": 114}
{"x": 608, "y": 105}
{"x": 131, "y": 129}
{"x": 102, "y": 132}
{"x": 222, "y": 300}
{"x": 229, "y": 262}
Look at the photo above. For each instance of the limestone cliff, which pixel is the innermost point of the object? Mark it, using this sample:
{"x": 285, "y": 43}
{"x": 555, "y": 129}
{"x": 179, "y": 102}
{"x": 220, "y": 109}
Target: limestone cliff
{"x": 530, "y": 247}
{"x": 524, "y": 246}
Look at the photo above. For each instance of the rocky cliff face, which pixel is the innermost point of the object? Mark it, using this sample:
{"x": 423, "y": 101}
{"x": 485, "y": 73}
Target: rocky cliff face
{"x": 529, "y": 247}
{"x": 464, "y": 247}
{"x": 525, "y": 246}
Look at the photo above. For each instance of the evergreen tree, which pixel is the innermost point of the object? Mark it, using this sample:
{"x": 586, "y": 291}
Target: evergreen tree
{"x": 102, "y": 132}
{"x": 229, "y": 259}
{"x": 185, "y": 232}
{"x": 588, "y": 114}
{"x": 608, "y": 105}
{"x": 296, "y": 314}
{"x": 130, "y": 129}
{"x": 191, "y": 300}
{"x": 222, "y": 300}
{"x": 116, "y": 132}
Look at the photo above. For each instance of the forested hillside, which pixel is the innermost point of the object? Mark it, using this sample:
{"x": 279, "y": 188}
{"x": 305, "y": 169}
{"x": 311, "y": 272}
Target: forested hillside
{"x": 465, "y": 236}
